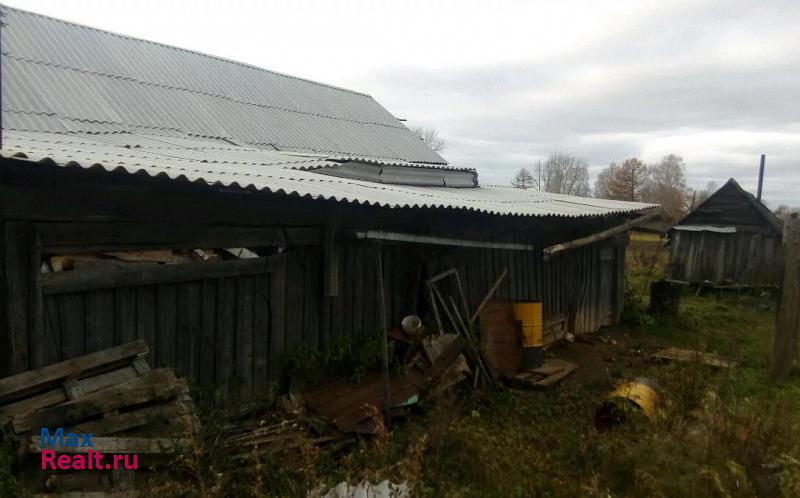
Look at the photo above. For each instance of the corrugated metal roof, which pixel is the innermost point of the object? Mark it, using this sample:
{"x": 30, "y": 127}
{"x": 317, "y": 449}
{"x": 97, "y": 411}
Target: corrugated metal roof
{"x": 269, "y": 173}
{"x": 63, "y": 77}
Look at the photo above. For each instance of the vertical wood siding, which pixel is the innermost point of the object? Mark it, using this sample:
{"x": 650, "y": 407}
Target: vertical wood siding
{"x": 217, "y": 330}
{"x": 748, "y": 258}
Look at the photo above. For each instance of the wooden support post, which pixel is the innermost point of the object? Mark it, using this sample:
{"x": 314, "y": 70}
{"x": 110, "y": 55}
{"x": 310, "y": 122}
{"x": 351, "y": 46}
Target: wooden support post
{"x": 784, "y": 345}
{"x": 331, "y": 259}
{"x": 17, "y": 262}
{"x": 387, "y": 393}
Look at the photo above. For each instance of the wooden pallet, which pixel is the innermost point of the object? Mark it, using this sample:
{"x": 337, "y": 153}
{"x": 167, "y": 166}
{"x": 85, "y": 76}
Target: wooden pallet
{"x": 69, "y": 380}
{"x": 113, "y": 394}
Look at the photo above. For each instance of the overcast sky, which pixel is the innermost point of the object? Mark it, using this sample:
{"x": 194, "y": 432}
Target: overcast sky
{"x": 506, "y": 83}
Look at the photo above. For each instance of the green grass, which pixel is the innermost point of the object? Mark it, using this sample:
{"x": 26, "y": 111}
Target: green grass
{"x": 718, "y": 432}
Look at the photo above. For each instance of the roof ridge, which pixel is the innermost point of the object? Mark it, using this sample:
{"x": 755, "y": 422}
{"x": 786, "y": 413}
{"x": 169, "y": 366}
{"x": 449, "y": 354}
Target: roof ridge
{"x": 174, "y": 47}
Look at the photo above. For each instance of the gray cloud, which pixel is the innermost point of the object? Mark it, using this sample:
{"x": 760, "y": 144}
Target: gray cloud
{"x": 718, "y": 85}
{"x": 506, "y": 82}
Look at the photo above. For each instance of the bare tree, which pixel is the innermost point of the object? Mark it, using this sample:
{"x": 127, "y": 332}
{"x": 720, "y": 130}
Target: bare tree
{"x": 430, "y": 136}
{"x": 523, "y": 179}
{"x": 628, "y": 180}
{"x": 704, "y": 194}
{"x": 784, "y": 211}
{"x": 564, "y": 174}
{"x": 666, "y": 185}
{"x": 602, "y": 185}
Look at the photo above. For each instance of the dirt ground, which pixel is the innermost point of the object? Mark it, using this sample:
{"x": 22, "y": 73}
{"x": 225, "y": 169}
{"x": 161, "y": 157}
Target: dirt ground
{"x": 607, "y": 355}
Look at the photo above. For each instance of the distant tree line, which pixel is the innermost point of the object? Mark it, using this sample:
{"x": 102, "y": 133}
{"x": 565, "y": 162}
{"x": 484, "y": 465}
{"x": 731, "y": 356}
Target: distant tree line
{"x": 632, "y": 180}
{"x": 560, "y": 173}
{"x": 661, "y": 183}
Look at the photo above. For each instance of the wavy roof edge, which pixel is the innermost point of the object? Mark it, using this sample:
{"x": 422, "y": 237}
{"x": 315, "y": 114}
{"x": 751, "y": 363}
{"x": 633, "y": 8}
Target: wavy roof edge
{"x": 501, "y": 201}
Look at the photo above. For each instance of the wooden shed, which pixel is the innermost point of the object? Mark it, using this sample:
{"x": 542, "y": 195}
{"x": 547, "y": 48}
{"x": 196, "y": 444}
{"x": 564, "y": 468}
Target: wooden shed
{"x": 226, "y": 214}
{"x": 729, "y": 239}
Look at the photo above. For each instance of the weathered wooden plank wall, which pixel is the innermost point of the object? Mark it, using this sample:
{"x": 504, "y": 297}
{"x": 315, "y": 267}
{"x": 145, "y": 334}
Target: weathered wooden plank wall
{"x": 211, "y": 330}
{"x": 214, "y": 329}
{"x": 585, "y": 282}
{"x": 239, "y": 327}
{"x": 744, "y": 257}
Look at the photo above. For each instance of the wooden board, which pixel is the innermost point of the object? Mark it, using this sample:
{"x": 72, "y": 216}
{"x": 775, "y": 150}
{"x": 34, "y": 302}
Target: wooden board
{"x": 120, "y": 445}
{"x": 500, "y": 338}
{"x": 159, "y": 384}
{"x": 552, "y": 371}
{"x": 33, "y": 380}
{"x": 104, "y": 278}
{"x": 711, "y": 359}
{"x": 162, "y": 415}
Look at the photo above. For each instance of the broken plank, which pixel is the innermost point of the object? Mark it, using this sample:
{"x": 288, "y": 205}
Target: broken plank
{"x": 550, "y": 366}
{"x": 92, "y": 494}
{"x": 32, "y": 381}
{"x": 711, "y": 359}
{"x": 557, "y": 377}
{"x": 27, "y": 405}
{"x": 77, "y": 389}
{"x": 138, "y": 445}
{"x": 105, "y": 278}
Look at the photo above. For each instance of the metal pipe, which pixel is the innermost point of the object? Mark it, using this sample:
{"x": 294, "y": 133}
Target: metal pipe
{"x": 761, "y": 177}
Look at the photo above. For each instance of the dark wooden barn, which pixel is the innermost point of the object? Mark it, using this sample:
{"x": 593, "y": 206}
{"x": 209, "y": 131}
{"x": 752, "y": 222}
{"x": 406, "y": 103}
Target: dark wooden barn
{"x": 729, "y": 239}
{"x": 226, "y": 214}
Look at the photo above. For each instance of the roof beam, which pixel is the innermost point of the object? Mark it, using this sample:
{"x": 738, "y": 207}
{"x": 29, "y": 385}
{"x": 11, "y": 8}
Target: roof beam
{"x": 590, "y": 239}
{"x": 435, "y": 240}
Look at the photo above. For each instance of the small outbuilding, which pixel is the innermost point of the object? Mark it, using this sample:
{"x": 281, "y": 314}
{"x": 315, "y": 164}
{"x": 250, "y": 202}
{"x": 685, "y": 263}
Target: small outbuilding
{"x": 731, "y": 238}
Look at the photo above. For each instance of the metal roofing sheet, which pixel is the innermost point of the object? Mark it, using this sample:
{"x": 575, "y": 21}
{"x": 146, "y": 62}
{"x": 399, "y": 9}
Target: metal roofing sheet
{"x": 271, "y": 175}
{"x": 63, "y": 77}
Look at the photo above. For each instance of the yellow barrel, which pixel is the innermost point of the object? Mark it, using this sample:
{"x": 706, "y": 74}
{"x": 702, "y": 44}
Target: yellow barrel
{"x": 638, "y": 395}
{"x": 530, "y": 314}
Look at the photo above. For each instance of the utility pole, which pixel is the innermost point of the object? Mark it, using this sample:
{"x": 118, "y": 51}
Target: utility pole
{"x": 784, "y": 344}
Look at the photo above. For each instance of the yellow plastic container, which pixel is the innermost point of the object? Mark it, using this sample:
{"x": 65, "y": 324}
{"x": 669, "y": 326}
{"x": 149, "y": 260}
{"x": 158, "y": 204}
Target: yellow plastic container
{"x": 639, "y": 395}
{"x": 530, "y": 314}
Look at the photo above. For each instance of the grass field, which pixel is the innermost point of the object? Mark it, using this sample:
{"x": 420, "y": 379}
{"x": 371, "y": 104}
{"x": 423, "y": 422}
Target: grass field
{"x": 718, "y": 432}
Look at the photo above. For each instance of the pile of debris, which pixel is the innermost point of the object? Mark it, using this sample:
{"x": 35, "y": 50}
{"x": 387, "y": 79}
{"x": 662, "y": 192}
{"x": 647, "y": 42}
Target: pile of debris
{"x": 432, "y": 363}
{"x": 438, "y": 365}
{"x": 111, "y": 398}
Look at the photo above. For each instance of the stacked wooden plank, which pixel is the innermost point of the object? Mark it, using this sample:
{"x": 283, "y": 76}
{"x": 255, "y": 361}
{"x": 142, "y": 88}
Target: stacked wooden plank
{"x": 113, "y": 394}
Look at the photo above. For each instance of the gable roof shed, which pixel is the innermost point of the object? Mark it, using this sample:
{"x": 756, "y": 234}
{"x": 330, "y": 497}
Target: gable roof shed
{"x": 732, "y": 206}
